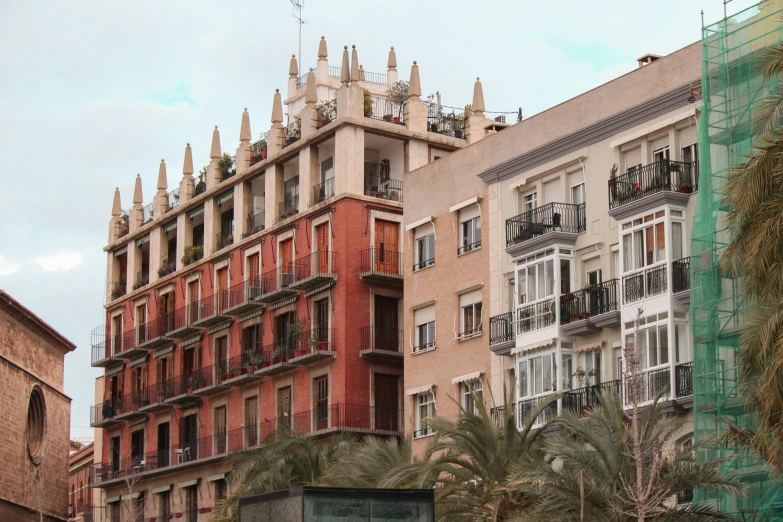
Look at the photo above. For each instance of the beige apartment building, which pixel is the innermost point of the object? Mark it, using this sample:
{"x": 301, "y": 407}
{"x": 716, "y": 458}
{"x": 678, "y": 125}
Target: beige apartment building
{"x": 585, "y": 212}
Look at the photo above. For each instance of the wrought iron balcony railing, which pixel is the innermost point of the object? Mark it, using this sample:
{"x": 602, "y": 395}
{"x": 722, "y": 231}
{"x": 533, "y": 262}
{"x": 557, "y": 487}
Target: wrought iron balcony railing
{"x": 681, "y": 275}
{"x": 501, "y": 328}
{"x": 385, "y": 110}
{"x": 323, "y": 191}
{"x": 381, "y": 338}
{"x": 552, "y": 217}
{"x": 647, "y": 283}
{"x": 594, "y": 300}
{"x": 450, "y": 124}
{"x": 289, "y": 207}
{"x": 659, "y": 176}
{"x": 535, "y": 316}
{"x": 381, "y": 262}
{"x": 255, "y": 224}
{"x": 390, "y": 189}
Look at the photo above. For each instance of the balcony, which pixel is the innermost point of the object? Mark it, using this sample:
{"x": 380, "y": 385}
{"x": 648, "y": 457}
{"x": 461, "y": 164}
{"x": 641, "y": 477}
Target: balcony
{"x": 658, "y": 380}
{"x": 210, "y": 379}
{"x": 351, "y": 418}
{"x": 211, "y": 310}
{"x": 227, "y": 167}
{"x": 535, "y": 316}
{"x": 525, "y": 406}
{"x": 130, "y": 345}
{"x": 449, "y": 124}
{"x": 103, "y": 415}
{"x": 683, "y": 380}
{"x": 288, "y": 208}
{"x": 681, "y": 280}
{"x": 241, "y": 297}
{"x": 275, "y": 358}
{"x": 179, "y": 390}
{"x": 185, "y": 320}
{"x": 378, "y": 264}
{"x": 292, "y": 132}
{"x": 166, "y": 267}
{"x": 172, "y": 200}
{"x": 663, "y": 181}
{"x": 384, "y": 109}
{"x": 127, "y": 408}
{"x": 241, "y": 369}
{"x": 582, "y": 400}
{"x": 644, "y": 284}
{"x": 118, "y": 289}
{"x": 255, "y": 224}
{"x": 193, "y": 254}
{"x": 501, "y": 333}
{"x": 582, "y": 312}
{"x": 381, "y": 344}
{"x": 314, "y": 346}
{"x": 544, "y": 226}
{"x": 105, "y": 347}
{"x": 142, "y": 280}
{"x": 153, "y": 399}
{"x": 313, "y": 270}
{"x": 155, "y": 333}
{"x": 277, "y": 284}
{"x": 323, "y": 191}
{"x": 223, "y": 240}
{"x": 390, "y": 189}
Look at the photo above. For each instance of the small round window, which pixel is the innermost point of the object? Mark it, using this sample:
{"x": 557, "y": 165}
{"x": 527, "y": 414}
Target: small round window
{"x": 36, "y": 419}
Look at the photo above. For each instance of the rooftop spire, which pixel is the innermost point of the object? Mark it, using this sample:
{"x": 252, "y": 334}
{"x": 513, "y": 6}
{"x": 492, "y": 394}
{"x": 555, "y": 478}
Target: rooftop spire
{"x": 311, "y": 96}
{"x": 214, "y": 152}
{"x": 137, "y": 198}
{"x": 162, "y": 175}
{"x": 345, "y": 73}
{"x": 354, "y": 65}
{"x": 322, "y": 48}
{"x": 392, "y": 63}
{"x": 244, "y": 130}
{"x": 293, "y": 69}
{"x": 414, "y": 89}
{"x": 277, "y": 108}
{"x": 187, "y": 166}
{"x": 116, "y": 208}
{"x": 478, "y": 98}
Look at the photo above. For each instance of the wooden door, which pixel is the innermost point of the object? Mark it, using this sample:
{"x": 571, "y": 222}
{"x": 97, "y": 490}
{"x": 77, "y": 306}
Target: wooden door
{"x": 284, "y": 407}
{"x": 141, "y": 320}
{"x": 321, "y": 386}
{"x": 286, "y": 259}
{"x": 322, "y": 242}
{"x": 166, "y": 313}
{"x": 386, "y": 402}
{"x": 386, "y": 256}
{"x": 251, "y": 421}
{"x": 221, "y": 358}
{"x": 163, "y": 444}
{"x": 222, "y": 289}
{"x": 253, "y": 272}
{"x": 193, "y": 298}
{"x": 115, "y": 346}
{"x": 220, "y": 430}
{"x": 386, "y": 323}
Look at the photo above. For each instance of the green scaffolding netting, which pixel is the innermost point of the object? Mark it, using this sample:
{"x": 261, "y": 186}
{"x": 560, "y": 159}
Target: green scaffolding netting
{"x": 732, "y": 90}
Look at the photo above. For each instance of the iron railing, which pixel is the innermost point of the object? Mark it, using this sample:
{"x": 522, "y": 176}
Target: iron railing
{"x": 208, "y": 376}
{"x": 292, "y": 132}
{"x": 106, "y": 346}
{"x": 586, "y": 398}
{"x": 334, "y": 71}
{"x": 103, "y": 412}
{"x": 172, "y": 199}
{"x": 255, "y": 224}
{"x": 244, "y": 292}
{"x": 535, "y": 316}
{"x": 258, "y": 150}
{"x": 646, "y": 283}
{"x": 524, "y": 408}
{"x": 501, "y": 328}
{"x": 142, "y": 279}
{"x": 323, "y": 191}
{"x": 450, "y": 124}
{"x": 390, "y": 189}
{"x": 147, "y": 212}
{"x": 318, "y": 264}
{"x": 381, "y": 261}
{"x": 595, "y": 300}
{"x": 372, "y": 77}
{"x": 651, "y": 383}
{"x": 278, "y": 279}
{"x": 683, "y": 379}
{"x": 166, "y": 267}
{"x": 381, "y": 338}
{"x": 681, "y": 275}
{"x": 223, "y": 240}
{"x": 317, "y": 339}
{"x": 424, "y": 263}
{"x": 385, "y": 110}
{"x": 464, "y": 249}
{"x": 155, "y": 328}
{"x": 552, "y": 217}
{"x": 187, "y": 315}
{"x": 230, "y": 170}
{"x": 659, "y": 176}
{"x": 118, "y": 289}
{"x": 288, "y": 207}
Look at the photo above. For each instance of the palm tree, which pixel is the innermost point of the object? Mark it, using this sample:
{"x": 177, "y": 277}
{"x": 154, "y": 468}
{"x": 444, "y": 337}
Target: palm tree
{"x": 589, "y": 472}
{"x": 754, "y": 191}
{"x": 284, "y": 460}
{"x": 470, "y": 459}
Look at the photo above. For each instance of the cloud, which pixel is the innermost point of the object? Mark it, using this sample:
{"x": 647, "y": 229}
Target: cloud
{"x": 8, "y": 267}
{"x": 61, "y": 261}
{"x": 180, "y": 94}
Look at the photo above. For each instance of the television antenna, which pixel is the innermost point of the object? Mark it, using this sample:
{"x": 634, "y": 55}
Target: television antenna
{"x": 298, "y": 5}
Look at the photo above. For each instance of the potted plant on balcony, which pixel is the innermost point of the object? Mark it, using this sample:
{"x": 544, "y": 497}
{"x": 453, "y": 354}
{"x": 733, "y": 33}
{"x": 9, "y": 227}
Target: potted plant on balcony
{"x": 277, "y": 353}
{"x": 201, "y": 186}
{"x": 325, "y": 113}
{"x": 398, "y": 93}
{"x": 367, "y": 104}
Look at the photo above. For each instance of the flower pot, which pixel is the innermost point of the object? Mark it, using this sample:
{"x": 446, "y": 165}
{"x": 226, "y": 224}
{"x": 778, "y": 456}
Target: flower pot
{"x": 202, "y": 385}
{"x": 458, "y": 134}
{"x": 387, "y": 117}
{"x": 684, "y": 190}
{"x": 253, "y": 160}
{"x": 323, "y": 346}
{"x": 293, "y": 139}
{"x": 396, "y": 119}
{"x": 249, "y": 369}
{"x": 263, "y": 155}
{"x": 299, "y": 353}
{"x": 265, "y": 364}
{"x": 190, "y": 390}
{"x": 229, "y": 375}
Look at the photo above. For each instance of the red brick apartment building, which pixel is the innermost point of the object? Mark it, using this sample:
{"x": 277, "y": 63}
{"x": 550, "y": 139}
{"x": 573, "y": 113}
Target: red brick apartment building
{"x": 265, "y": 293}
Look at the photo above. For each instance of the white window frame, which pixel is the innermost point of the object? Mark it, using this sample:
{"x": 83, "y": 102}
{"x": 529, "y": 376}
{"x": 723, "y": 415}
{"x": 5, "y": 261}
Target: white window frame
{"x": 424, "y": 402}
{"x": 420, "y": 344}
{"x": 529, "y": 202}
{"x": 475, "y": 310}
{"x": 593, "y": 361}
{"x": 470, "y": 234}
{"x": 424, "y": 241}
{"x": 642, "y": 225}
{"x": 466, "y": 399}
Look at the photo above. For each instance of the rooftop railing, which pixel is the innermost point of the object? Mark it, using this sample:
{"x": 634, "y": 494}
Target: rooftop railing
{"x": 385, "y": 110}
{"x": 450, "y": 124}
{"x": 552, "y": 217}
{"x": 659, "y": 176}
{"x": 292, "y": 132}
{"x": 147, "y": 214}
{"x": 334, "y": 71}
{"x": 173, "y": 199}
{"x": 372, "y": 77}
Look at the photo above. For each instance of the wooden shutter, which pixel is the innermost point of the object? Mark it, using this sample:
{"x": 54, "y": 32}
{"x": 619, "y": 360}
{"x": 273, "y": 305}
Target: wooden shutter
{"x": 222, "y": 283}
{"x": 159, "y": 377}
{"x": 253, "y": 269}
{"x": 286, "y": 254}
{"x": 322, "y": 238}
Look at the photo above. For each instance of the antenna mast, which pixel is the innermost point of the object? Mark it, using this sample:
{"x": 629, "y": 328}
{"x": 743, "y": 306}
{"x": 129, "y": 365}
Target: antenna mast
{"x": 298, "y": 5}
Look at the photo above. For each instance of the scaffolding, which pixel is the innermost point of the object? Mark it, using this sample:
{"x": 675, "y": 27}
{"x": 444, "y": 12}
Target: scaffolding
{"x": 732, "y": 89}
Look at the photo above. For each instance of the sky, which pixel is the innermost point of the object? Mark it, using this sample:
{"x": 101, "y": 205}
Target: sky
{"x": 92, "y": 93}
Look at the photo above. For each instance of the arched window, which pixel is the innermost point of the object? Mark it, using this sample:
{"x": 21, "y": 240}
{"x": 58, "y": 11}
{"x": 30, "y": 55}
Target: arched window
{"x": 36, "y": 423}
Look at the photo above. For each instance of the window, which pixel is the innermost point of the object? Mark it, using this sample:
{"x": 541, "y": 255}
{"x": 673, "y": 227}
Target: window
{"x": 592, "y": 369}
{"x": 661, "y": 154}
{"x": 114, "y": 512}
{"x": 327, "y": 169}
{"x": 594, "y": 277}
{"x": 220, "y": 489}
{"x": 251, "y": 421}
{"x": 425, "y": 408}
{"x": 471, "y": 392}
{"x": 425, "y": 336}
{"x": 677, "y": 242}
{"x": 536, "y": 281}
{"x": 653, "y": 346}
{"x": 536, "y": 375}
{"x": 220, "y": 430}
{"x": 36, "y": 423}
{"x": 633, "y": 159}
{"x": 165, "y": 504}
{"x": 529, "y": 202}
{"x": 321, "y": 396}
{"x": 578, "y": 194}
{"x": 471, "y": 319}
{"x": 690, "y": 154}
{"x": 425, "y": 252}
{"x": 470, "y": 231}
{"x": 645, "y": 244}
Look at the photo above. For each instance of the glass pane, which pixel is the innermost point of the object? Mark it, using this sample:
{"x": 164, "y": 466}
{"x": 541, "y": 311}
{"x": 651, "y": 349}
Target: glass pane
{"x": 660, "y": 243}
{"x": 642, "y": 348}
{"x": 537, "y": 376}
{"x": 565, "y": 276}
{"x": 548, "y": 381}
{"x": 663, "y": 344}
{"x": 385, "y": 510}
{"x": 522, "y": 286}
{"x": 532, "y": 294}
{"x": 653, "y": 347}
{"x": 627, "y": 254}
{"x": 523, "y": 379}
{"x": 568, "y": 371}
{"x": 598, "y": 377}
{"x": 544, "y": 287}
{"x": 649, "y": 251}
{"x": 638, "y": 248}
{"x": 676, "y": 241}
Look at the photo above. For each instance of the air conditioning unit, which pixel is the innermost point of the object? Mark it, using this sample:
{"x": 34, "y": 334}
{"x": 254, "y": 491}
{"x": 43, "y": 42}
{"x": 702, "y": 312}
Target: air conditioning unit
{"x": 501, "y": 118}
